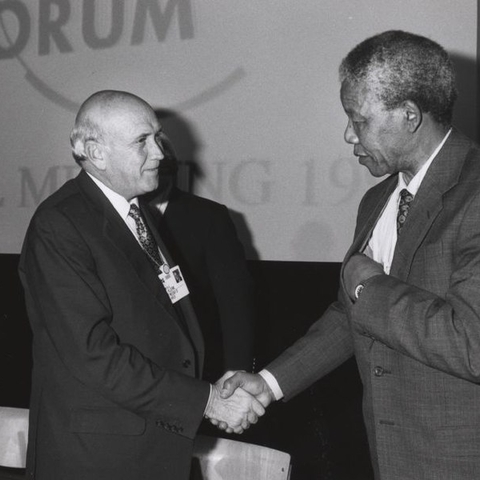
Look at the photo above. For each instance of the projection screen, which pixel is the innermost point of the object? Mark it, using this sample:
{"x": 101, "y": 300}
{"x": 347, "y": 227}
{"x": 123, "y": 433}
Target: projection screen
{"x": 248, "y": 91}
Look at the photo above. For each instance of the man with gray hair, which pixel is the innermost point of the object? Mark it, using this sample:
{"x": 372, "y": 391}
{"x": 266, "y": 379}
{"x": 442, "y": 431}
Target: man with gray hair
{"x": 117, "y": 350}
{"x": 409, "y": 303}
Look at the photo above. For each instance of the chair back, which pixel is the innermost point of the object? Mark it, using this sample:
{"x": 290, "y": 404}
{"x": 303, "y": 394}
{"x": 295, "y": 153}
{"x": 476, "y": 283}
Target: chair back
{"x": 213, "y": 458}
{"x": 13, "y": 437}
{"x": 224, "y": 459}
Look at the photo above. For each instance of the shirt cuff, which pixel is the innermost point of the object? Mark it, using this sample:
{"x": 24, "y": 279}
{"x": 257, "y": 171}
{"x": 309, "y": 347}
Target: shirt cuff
{"x": 272, "y": 383}
{"x": 208, "y": 402}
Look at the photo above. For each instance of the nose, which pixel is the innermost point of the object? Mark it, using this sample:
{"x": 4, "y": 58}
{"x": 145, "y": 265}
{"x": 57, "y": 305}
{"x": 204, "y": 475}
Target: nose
{"x": 156, "y": 150}
{"x": 350, "y": 136}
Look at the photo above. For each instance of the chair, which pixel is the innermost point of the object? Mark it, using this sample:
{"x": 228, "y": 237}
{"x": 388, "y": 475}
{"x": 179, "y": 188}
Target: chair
{"x": 13, "y": 436}
{"x": 13, "y": 442}
{"x": 213, "y": 458}
{"x": 224, "y": 459}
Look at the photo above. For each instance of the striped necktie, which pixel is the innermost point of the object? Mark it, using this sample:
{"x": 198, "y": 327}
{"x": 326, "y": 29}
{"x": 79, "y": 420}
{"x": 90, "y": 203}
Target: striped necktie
{"x": 405, "y": 199}
{"x": 145, "y": 237}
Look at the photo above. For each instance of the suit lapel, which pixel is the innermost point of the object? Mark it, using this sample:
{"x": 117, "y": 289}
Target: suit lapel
{"x": 367, "y": 219}
{"x": 428, "y": 204}
{"x": 190, "y": 322}
{"x": 442, "y": 175}
{"x": 369, "y": 215}
{"x": 123, "y": 240}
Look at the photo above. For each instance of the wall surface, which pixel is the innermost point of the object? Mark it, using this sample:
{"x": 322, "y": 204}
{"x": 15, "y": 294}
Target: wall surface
{"x": 247, "y": 90}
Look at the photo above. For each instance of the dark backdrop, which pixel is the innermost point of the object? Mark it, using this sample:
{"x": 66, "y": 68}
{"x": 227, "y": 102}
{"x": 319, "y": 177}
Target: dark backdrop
{"x": 321, "y": 428}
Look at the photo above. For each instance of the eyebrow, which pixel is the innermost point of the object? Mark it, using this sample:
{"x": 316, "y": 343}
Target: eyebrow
{"x": 147, "y": 133}
{"x": 353, "y": 113}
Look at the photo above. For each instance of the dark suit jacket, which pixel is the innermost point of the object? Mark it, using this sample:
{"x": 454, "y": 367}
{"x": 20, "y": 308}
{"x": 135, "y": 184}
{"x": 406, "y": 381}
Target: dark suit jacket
{"x": 416, "y": 332}
{"x": 202, "y": 238}
{"x": 115, "y": 389}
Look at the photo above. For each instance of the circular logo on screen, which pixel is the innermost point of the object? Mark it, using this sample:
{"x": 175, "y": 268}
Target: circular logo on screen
{"x": 67, "y": 46}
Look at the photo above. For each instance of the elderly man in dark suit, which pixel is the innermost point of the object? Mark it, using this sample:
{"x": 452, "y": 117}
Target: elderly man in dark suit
{"x": 409, "y": 303}
{"x": 117, "y": 349}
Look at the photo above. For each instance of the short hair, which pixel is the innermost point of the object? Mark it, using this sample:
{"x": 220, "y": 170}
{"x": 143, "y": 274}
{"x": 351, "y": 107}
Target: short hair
{"x": 84, "y": 130}
{"x": 399, "y": 66}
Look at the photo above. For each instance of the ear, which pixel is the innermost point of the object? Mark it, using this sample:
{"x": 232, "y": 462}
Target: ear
{"x": 94, "y": 152}
{"x": 413, "y": 115}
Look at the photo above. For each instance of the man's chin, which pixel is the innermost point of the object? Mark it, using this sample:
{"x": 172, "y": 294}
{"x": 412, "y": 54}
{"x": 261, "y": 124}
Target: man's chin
{"x": 364, "y": 160}
{"x": 371, "y": 166}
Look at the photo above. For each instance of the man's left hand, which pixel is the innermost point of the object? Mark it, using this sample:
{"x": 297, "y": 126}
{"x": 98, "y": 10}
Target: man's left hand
{"x": 358, "y": 269}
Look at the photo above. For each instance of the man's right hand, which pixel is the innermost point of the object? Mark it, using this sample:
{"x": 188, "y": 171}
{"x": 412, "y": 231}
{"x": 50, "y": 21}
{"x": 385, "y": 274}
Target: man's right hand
{"x": 233, "y": 413}
{"x": 250, "y": 382}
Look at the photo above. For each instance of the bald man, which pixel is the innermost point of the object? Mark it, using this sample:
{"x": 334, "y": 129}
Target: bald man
{"x": 118, "y": 353}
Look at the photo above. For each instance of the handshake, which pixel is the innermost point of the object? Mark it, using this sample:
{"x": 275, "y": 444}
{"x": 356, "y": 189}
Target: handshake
{"x": 237, "y": 400}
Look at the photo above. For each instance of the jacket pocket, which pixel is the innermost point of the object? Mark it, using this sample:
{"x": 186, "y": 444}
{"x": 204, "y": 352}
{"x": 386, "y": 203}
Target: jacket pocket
{"x": 106, "y": 421}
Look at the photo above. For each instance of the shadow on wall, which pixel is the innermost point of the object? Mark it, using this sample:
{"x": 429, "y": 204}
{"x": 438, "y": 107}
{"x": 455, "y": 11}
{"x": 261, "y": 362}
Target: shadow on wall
{"x": 187, "y": 148}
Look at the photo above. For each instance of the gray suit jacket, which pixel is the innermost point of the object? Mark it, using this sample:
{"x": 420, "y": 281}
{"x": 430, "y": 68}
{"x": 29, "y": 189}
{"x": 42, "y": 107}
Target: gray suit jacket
{"x": 416, "y": 332}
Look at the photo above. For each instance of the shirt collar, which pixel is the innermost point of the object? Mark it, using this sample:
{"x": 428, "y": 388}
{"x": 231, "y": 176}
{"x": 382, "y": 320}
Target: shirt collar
{"x": 121, "y": 204}
{"x": 416, "y": 181}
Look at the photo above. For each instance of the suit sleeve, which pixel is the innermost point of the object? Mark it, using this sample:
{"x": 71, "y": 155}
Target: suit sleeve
{"x": 326, "y": 345}
{"x": 434, "y": 316}
{"x": 69, "y": 306}
{"x": 233, "y": 289}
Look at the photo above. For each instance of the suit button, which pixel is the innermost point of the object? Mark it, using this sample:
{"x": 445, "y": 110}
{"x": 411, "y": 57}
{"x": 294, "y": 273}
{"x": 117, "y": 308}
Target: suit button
{"x": 378, "y": 371}
{"x": 186, "y": 363}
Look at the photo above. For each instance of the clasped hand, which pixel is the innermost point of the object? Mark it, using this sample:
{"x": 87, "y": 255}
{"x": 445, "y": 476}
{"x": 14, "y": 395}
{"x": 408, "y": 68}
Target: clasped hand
{"x": 357, "y": 269}
{"x": 238, "y": 399}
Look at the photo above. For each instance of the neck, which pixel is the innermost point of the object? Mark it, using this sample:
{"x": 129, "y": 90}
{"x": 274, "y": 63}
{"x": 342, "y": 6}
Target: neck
{"x": 429, "y": 138}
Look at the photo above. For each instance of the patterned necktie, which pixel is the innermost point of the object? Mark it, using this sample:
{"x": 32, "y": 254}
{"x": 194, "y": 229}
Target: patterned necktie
{"x": 146, "y": 238}
{"x": 405, "y": 199}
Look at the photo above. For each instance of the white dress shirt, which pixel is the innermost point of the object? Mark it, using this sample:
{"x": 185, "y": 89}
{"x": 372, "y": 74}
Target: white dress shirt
{"x": 122, "y": 206}
{"x": 381, "y": 245}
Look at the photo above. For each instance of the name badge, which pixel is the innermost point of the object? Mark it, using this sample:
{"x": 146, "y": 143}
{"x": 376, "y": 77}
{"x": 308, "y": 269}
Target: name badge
{"x": 174, "y": 283}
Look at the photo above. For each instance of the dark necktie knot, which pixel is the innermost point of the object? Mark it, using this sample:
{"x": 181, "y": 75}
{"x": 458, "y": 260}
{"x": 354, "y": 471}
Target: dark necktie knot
{"x": 403, "y": 206}
{"x": 147, "y": 241}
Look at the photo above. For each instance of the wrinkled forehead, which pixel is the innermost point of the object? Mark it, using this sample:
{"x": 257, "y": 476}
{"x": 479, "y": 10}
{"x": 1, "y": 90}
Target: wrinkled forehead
{"x": 358, "y": 96}
{"x": 129, "y": 115}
